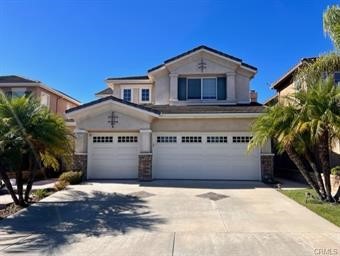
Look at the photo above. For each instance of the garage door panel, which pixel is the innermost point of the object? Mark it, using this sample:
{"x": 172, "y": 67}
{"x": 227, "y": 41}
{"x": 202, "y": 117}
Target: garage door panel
{"x": 110, "y": 159}
{"x": 221, "y": 159}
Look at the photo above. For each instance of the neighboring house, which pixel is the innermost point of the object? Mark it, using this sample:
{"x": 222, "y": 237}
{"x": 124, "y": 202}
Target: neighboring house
{"x": 56, "y": 101}
{"x": 284, "y": 86}
{"x": 188, "y": 118}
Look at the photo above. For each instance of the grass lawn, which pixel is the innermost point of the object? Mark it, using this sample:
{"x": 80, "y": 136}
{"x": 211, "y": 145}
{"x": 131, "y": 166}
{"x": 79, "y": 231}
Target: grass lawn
{"x": 330, "y": 212}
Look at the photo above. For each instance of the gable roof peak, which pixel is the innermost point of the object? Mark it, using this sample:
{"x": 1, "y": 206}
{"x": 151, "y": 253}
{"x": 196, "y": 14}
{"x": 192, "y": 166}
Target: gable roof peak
{"x": 206, "y": 48}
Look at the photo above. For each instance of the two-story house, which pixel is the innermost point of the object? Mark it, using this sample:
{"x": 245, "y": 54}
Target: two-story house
{"x": 285, "y": 86}
{"x": 57, "y": 101}
{"x": 188, "y": 118}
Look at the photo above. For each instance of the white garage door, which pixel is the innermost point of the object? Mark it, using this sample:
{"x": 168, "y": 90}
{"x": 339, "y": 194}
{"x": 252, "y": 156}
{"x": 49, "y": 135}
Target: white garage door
{"x": 204, "y": 156}
{"x": 113, "y": 156}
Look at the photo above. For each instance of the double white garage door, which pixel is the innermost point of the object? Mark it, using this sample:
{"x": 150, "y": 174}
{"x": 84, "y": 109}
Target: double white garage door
{"x": 175, "y": 156}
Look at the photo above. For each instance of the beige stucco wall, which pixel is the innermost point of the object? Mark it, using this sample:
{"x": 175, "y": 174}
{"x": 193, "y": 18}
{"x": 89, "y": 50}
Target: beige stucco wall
{"x": 215, "y": 66}
{"x": 58, "y": 104}
{"x": 118, "y": 88}
{"x": 99, "y": 122}
{"x": 242, "y": 88}
{"x": 290, "y": 89}
{"x": 162, "y": 89}
{"x": 202, "y": 125}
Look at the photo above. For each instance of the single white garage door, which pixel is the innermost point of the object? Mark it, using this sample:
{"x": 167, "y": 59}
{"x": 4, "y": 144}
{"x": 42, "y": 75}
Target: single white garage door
{"x": 113, "y": 156}
{"x": 204, "y": 156}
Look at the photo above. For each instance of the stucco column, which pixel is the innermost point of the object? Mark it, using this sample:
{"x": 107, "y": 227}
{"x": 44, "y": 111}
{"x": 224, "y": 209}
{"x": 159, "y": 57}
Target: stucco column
{"x": 80, "y": 151}
{"x": 145, "y": 141}
{"x": 231, "y": 86}
{"x": 145, "y": 156}
{"x": 173, "y": 87}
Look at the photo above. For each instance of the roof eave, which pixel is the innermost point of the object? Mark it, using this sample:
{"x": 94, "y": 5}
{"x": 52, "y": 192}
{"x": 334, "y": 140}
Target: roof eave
{"x": 207, "y": 49}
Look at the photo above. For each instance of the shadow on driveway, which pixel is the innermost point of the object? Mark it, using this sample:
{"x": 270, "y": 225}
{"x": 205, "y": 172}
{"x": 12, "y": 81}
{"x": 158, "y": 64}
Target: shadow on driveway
{"x": 54, "y": 224}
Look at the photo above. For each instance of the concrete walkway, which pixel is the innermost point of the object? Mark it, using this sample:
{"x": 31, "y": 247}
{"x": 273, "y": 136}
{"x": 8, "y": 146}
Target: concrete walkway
{"x": 168, "y": 218}
{"x": 41, "y": 184}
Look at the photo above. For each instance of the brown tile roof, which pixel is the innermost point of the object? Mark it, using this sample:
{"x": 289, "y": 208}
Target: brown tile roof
{"x": 194, "y": 109}
{"x": 209, "y": 109}
{"x": 129, "y": 78}
{"x": 287, "y": 78}
{"x": 105, "y": 91}
{"x": 16, "y": 79}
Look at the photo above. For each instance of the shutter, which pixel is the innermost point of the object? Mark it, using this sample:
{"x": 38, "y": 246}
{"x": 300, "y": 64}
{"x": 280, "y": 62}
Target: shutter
{"x": 221, "y": 88}
{"x": 182, "y": 88}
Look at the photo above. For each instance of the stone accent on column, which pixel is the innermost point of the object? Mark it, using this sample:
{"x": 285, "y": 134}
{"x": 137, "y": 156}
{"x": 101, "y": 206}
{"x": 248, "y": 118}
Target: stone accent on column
{"x": 80, "y": 164}
{"x": 145, "y": 167}
{"x": 267, "y": 167}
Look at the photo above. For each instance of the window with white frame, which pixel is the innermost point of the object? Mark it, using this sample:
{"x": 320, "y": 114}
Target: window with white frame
{"x": 127, "y": 94}
{"x": 217, "y": 139}
{"x": 45, "y": 99}
{"x": 191, "y": 139}
{"x": 241, "y": 139}
{"x": 145, "y": 95}
{"x": 166, "y": 139}
{"x": 18, "y": 92}
{"x": 202, "y": 88}
{"x": 102, "y": 139}
{"x": 127, "y": 139}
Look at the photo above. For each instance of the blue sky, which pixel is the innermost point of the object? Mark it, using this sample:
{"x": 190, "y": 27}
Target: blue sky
{"x": 74, "y": 45}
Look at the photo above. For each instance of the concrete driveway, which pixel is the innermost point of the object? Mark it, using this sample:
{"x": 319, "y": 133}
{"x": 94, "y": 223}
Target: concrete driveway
{"x": 168, "y": 218}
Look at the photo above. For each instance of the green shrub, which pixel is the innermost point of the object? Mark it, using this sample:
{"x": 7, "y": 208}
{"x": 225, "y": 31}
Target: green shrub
{"x": 40, "y": 193}
{"x": 336, "y": 170}
{"x": 71, "y": 177}
{"x": 61, "y": 184}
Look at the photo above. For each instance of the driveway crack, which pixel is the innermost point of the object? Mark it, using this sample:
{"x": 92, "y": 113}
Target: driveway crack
{"x": 173, "y": 244}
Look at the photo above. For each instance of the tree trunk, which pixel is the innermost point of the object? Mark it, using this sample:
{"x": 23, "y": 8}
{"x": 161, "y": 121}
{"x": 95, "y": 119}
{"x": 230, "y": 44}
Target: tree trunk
{"x": 294, "y": 156}
{"x": 9, "y": 187}
{"x": 20, "y": 188}
{"x": 311, "y": 160}
{"x": 30, "y": 181}
{"x": 337, "y": 195}
{"x": 323, "y": 147}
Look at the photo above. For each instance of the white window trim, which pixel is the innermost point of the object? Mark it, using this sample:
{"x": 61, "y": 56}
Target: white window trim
{"x": 140, "y": 95}
{"x": 18, "y": 90}
{"x": 201, "y": 99}
{"x": 48, "y": 99}
{"x": 122, "y": 93}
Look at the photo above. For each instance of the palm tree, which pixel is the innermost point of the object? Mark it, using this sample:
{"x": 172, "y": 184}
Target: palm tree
{"x": 320, "y": 118}
{"x": 278, "y": 123}
{"x": 331, "y": 24}
{"x": 29, "y": 131}
{"x": 303, "y": 127}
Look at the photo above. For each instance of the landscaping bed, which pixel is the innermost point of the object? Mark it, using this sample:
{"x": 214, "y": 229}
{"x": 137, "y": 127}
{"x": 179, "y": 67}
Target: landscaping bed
{"x": 330, "y": 212}
{"x": 36, "y": 196}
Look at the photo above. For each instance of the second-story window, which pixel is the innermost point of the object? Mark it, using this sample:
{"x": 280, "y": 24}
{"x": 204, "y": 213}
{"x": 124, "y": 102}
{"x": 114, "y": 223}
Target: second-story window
{"x": 127, "y": 95}
{"x": 202, "y": 88}
{"x": 18, "y": 92}
{"x": 205, "y": 88}
{"x": 145, "y": 95}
